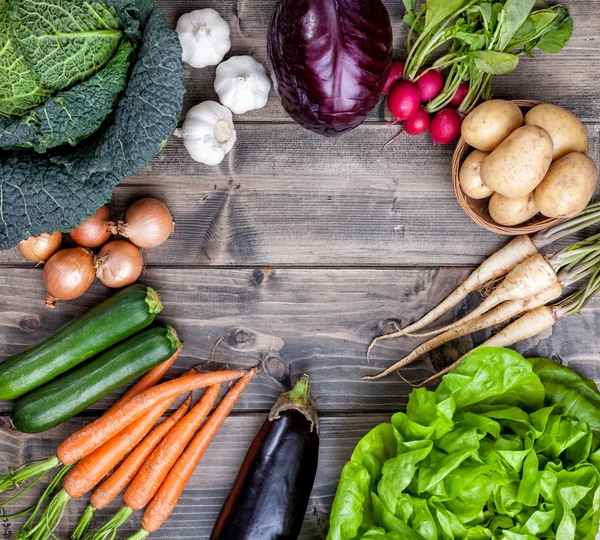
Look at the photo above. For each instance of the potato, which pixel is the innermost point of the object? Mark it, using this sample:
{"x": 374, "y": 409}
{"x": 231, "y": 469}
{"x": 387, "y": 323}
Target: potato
{"x": 505, "y": 211}
{"x": 470, "y": 178}
{"x": 567, "y": 132}
{"x": 567, "y": 187}
{"x": 486, "y": 126}
{"x": 520, "y": 163}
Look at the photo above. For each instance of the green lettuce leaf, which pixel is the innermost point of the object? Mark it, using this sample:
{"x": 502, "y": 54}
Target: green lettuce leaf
{"x": 505, "y": 448}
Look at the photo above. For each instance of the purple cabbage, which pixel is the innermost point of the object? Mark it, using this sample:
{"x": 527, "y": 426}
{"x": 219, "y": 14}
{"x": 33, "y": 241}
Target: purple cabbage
{"x": 330, "y": 60}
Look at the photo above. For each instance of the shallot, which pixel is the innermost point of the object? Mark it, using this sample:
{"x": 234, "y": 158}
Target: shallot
{"x": 40, "y": 248}
{"x": 68, "y": 274}
{"x": 95, "y": 230}
{"x": 119, "y": 264}
{"x": 148, "y": 223}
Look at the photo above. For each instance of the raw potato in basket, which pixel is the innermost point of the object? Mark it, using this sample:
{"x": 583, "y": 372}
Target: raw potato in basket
{"x": 567, "y": 132}
{"x": 517, "y": 166}
{"x": 567, "y": 187}
{"x": 470, "y": 176}
{"x": 511, "y": 212}
{"x": 486, "y": 126}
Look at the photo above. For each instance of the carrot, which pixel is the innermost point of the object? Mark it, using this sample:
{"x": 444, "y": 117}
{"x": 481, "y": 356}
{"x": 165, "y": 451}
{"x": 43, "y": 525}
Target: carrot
{"x": 117, "y": 481}
{"x": 167, "y": 496}
{"x": 157, "y": 466}
{"x": 91, "y": 469}
{"x": 127, "y": 471}
{"x": 39, "y": 469}
{"x": 149, "y": 380}
{"x": 94, "y": 435}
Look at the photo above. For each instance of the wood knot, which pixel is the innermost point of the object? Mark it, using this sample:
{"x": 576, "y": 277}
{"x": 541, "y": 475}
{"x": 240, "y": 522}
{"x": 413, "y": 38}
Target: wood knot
{"x": 276, "y": 368}
{"x": 261, "y": 275}
{"x": 241, "y": 339}
{"x": 30, "y": 324}
{"x": 390, "y": 325}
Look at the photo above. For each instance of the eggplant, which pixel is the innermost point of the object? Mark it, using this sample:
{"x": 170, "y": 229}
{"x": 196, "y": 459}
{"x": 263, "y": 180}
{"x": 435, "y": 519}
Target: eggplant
{"x": 269, "y": 497}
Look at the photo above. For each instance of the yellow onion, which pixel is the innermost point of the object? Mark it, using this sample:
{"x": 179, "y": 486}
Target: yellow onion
{"x": 119, "y": 264}
{"x": 94, "y": 231}
{"x": 148, "y": 223}
{"x": 40, "y": 248}
{"x": 68, "y": 274}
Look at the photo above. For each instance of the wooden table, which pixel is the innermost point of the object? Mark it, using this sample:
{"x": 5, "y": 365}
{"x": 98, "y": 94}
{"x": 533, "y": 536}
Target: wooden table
{"x": 299, "y": 249}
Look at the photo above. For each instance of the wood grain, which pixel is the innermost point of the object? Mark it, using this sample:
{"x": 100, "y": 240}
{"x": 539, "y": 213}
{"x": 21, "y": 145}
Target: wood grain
{"x": 197, "y": 511}
{"x": 286, "y": 197}
{"x": 297, "y": 321}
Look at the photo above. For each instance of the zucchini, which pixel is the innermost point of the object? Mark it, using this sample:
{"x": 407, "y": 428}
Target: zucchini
{"x": 70, "y": 394}
{"x": 120, "y": 316}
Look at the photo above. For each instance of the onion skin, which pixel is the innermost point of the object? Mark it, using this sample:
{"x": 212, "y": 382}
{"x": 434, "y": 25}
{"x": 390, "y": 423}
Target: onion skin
{"x": 40, "y": 248}
{"x": 95, "y": 230}
{"x": 68, "y": 274}
{"x": 119, "y": 264}
{"x": 148, "y": 223}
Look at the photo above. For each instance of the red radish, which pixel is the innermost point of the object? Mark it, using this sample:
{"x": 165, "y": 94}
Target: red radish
{"x": 394, "y": 76}
{"x": 430, "y": 84}
{"x": 460, "y": 95}
{"x": 445, "y": 126}
{"x": 403, "y": 100}
{"x": 417, "y": 123}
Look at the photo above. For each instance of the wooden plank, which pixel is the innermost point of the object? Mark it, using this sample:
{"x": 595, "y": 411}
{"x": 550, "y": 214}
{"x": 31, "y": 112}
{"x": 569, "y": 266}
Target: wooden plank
{"x": 286, "y": 197}
{"x": 197, "y": 511}
{"x": 297, "y": 321}
{"x": 568, "y": 79}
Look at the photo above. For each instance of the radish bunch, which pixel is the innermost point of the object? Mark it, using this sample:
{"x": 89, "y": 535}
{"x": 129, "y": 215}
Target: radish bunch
{"x": 405, "y": 99}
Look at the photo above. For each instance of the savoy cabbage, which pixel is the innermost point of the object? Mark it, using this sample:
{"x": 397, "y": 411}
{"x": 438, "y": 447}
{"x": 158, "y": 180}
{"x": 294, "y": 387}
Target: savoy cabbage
{"x": 66, "y": 145}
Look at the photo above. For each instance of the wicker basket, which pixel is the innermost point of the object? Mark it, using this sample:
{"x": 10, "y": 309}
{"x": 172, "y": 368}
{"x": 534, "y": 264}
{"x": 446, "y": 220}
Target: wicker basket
{"x": 477, "y": 209}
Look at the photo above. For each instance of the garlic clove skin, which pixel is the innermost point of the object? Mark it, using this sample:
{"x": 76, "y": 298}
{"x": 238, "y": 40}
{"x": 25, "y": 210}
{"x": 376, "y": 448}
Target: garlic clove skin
{"x": 204, "y": 37}
{"x": 242, "y": 84}
{"x": 208, "y": 132}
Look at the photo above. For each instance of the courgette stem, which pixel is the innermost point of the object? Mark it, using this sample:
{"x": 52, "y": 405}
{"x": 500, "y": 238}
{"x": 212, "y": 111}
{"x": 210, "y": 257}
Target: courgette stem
{"x": 153, "y": 300}
{"x": 173, "y": 337}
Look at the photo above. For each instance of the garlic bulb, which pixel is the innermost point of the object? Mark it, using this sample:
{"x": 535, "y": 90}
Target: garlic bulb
{"x": 204, "y": 37}
{"x": 208, "y": 132}
{"x": 242, "y": 84}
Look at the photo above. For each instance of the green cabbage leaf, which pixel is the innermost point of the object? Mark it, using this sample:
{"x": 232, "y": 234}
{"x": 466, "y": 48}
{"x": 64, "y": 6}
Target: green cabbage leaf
{"x": 505, "y": 448}
{"x": 60, "y": 160}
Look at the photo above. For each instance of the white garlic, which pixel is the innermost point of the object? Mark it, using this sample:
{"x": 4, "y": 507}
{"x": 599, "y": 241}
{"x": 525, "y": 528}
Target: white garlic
{"x": 242, "y": 84}
{"x": 208, "y": 132}
{"x": 204, "y": 36}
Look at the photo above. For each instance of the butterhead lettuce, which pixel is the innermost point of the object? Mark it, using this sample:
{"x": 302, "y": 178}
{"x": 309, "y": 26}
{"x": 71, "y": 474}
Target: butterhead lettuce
{"x": 505, "y": 448}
